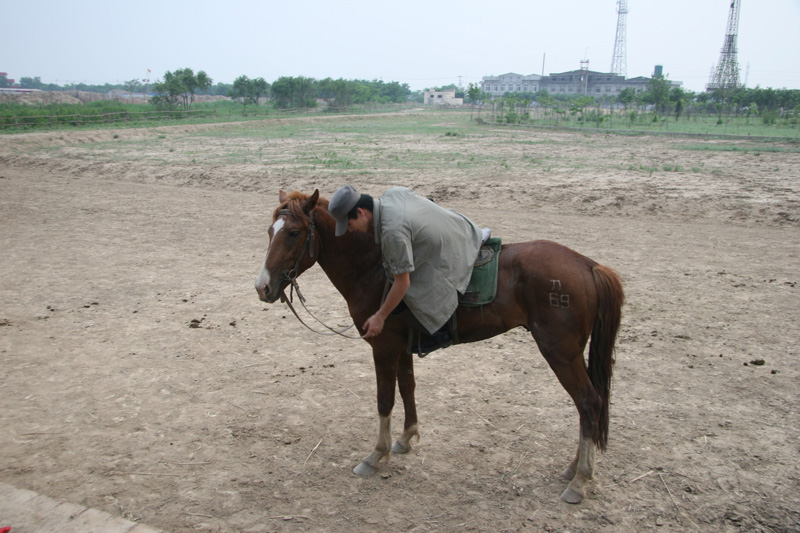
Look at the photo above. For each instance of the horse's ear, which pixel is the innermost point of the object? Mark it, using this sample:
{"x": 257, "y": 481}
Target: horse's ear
{"x": 282, "y": 196}
{"x": 312, "y": 201}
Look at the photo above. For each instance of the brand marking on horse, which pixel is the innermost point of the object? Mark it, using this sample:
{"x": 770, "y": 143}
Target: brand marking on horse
{"x": 556, "y": 298}
{"x": 559, "y": 300}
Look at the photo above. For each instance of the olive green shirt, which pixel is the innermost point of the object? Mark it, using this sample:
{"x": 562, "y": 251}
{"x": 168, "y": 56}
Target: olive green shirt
{"x": 437, "y": 246}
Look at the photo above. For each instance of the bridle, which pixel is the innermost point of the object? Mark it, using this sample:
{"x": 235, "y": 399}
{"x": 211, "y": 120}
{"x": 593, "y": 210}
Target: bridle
{"x": 308, "y": 244}
{"x": 291, "y": 277}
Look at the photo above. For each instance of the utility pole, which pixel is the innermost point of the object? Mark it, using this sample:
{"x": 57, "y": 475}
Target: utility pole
{"x": 585, "y": 75}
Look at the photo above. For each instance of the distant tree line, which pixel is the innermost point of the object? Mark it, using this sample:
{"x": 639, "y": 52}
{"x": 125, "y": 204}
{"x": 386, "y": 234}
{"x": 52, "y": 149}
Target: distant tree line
{"x": 337, "y": 93}
{"x": 659, "y": 97}
{"x": 180, "y": 87}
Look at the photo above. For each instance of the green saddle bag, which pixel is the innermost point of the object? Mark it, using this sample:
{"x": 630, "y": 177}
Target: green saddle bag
{"x": 483, "y": 284}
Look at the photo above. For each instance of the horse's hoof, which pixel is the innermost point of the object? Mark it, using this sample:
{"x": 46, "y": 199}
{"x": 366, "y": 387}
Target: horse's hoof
{"x": 567, "y": 474}
{"x": 364, "y": 470}
{"x": 571, "y": 496}
{"x": 399, "y": 448}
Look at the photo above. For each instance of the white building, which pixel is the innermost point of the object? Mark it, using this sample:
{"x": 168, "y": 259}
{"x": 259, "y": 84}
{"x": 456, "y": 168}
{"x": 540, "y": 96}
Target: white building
{"x": 442, "y": 98}
{"x": 510, "y": 83}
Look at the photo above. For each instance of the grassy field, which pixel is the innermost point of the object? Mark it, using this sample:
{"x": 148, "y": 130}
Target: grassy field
{"x": 645, "y": 122}
{"x": 401, "y": 146}
{"x": 16, "y": 118}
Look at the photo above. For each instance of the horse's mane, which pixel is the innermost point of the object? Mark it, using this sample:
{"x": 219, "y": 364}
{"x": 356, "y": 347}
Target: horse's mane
{"x": 294, "y": 204}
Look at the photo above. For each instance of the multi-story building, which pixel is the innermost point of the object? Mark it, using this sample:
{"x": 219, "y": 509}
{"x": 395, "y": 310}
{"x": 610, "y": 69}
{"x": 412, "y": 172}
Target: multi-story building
{"x": 587, "y": 82}
{"x": 574, "y": 82}
{"x": 510, "y": 83}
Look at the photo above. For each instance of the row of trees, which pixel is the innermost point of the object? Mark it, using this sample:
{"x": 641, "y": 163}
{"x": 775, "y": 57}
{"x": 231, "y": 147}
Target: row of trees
{"x": 337, "y": 93}
{"x": 660, "y": 97}
{"x": 286, "y": 92}
{"x": 180, "y": 87}
{"x": 303, "y": 92}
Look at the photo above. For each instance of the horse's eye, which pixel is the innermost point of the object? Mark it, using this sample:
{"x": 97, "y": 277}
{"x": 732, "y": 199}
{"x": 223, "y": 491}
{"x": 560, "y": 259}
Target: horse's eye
{"x": 294, "y": 234}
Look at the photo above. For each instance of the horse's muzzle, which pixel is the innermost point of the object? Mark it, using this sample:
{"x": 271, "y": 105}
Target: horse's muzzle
{"x": 267, "y": 295}
{"x": 267, "y": 291}
{"x": 262, "y": 294}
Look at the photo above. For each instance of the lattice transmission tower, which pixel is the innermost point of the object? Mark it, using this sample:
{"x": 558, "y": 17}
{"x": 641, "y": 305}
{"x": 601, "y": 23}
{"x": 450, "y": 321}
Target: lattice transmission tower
{"x": 726, "y": 73}
{"x": 619, "y": 62}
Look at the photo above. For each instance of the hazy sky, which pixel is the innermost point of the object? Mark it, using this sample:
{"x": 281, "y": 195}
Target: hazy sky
{"x": 424, "y": 44}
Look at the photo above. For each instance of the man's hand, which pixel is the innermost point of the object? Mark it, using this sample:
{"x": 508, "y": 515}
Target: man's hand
{"x": 373, "y": 326}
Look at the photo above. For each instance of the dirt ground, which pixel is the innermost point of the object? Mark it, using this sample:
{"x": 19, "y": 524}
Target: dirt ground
{"x": 140, "y": 375}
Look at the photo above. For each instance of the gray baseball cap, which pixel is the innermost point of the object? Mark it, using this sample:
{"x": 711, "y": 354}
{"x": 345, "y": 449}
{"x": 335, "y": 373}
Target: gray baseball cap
{"x": 343, "y": 200}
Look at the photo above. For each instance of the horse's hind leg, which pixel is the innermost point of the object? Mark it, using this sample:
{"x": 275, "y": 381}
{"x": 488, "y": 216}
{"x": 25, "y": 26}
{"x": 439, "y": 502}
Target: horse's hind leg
{"x": 571, "y": 372}
{"x": 406, "y": 384}
{"x": 583, "y": 468}
{"x": 569, "y": 472}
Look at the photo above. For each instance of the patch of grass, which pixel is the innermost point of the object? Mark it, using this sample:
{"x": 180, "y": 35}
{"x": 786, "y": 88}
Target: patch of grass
{"x": 746, "y": 148}
{"x": 538, "y": 142}
{"x": 330, "y": 159}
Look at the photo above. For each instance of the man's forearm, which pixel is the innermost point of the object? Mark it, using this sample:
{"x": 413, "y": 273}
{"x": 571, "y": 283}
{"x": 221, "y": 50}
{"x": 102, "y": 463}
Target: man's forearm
{"x": 396, "y": 293}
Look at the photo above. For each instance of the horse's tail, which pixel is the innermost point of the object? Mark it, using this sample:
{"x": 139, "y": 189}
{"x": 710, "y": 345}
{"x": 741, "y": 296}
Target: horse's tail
{"x": 601, "y": 348}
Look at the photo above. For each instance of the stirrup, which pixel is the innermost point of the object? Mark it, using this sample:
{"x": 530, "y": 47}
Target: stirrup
{"x": 431, "y": 343}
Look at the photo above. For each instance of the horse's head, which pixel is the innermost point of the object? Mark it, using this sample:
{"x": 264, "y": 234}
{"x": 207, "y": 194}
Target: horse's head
{"x": 292, "y": 245}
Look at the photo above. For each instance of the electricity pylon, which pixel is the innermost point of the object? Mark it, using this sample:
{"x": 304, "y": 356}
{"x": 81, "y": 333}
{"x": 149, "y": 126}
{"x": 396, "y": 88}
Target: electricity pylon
{"x": 726, "y": 74}
{"x": 619, "y": 62}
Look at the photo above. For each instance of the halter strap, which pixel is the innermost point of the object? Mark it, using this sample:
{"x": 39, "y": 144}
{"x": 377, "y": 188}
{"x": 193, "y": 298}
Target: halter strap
{"x": 291, "y": 277}
{"x": 308, "y": 244}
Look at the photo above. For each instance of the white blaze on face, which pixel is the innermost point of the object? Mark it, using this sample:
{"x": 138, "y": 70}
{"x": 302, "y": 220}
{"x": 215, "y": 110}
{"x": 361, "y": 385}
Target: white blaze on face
{"x": 262, "y": 282}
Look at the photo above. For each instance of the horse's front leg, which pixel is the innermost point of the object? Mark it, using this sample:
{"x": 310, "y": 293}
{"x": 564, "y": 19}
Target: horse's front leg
{"x": 386, "y": 372}
{"x": 406, "y": 384}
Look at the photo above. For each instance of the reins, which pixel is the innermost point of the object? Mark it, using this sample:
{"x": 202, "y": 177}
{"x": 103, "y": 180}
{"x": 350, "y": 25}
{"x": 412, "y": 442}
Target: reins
{"x": 291, "y": 277}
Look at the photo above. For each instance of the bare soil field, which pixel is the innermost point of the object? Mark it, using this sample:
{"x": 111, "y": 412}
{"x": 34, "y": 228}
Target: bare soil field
{"x": 140, "y": 374}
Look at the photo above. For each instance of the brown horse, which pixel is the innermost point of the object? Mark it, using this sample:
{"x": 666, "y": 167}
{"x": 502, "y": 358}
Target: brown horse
{"x": 560, "y": 296}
